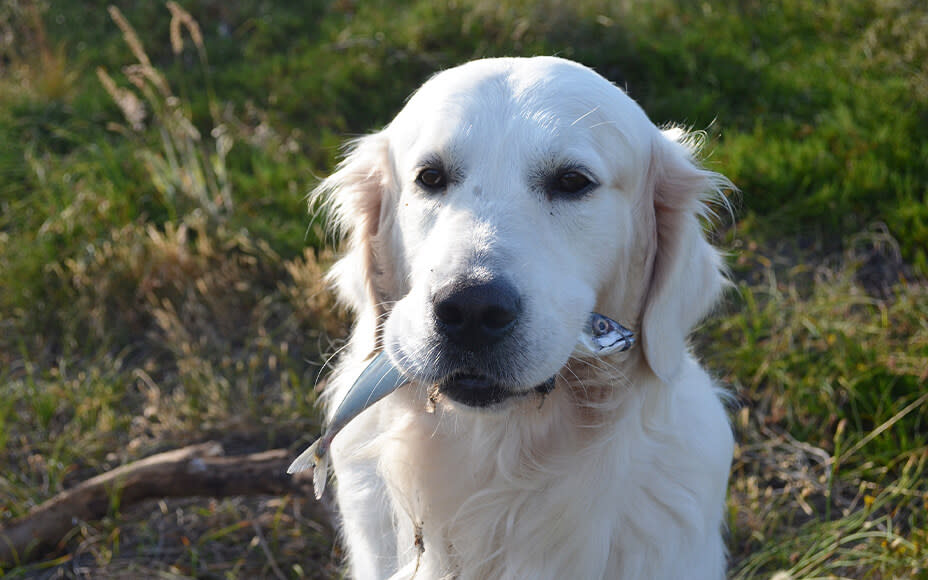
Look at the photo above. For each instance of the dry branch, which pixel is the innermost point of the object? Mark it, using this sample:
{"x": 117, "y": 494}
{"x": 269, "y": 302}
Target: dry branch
{"x": 197, "y": 470}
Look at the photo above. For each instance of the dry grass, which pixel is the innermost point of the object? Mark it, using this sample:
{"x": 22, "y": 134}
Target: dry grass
{"x": 28, "y": 55}
{"x": 167, "y": 333}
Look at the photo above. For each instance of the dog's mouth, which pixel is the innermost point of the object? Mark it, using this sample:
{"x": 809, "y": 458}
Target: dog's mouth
{"x": 481, "y": 391}
{"x": 600, "y": 336}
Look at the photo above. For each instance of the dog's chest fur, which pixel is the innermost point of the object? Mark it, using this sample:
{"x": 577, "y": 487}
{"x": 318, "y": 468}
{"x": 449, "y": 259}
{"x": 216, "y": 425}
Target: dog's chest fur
{"x": 502, "y": 492}
{"x": 491, "y": 480}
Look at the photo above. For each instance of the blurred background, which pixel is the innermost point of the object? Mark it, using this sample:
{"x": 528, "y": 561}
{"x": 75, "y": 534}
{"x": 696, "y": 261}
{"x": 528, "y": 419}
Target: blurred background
{"x": 160, "y": 275}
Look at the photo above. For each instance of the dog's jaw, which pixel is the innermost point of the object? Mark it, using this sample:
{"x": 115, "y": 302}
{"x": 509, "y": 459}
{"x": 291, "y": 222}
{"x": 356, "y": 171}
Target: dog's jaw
{"x": 482, "y": 392}
{"x": 473, "y": 390}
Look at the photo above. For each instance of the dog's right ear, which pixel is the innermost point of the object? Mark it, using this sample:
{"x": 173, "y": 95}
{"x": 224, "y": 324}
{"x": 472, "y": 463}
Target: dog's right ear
{"x": 360, "y": 199}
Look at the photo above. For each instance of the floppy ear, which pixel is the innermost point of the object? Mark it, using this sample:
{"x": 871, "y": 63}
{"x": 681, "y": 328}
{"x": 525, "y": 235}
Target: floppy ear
{"x": 360, "y": 196}
{"x": 687, "y": 273}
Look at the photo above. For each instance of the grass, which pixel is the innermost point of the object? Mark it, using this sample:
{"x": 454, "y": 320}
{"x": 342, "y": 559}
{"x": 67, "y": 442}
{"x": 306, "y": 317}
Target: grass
{"x": 161, "y": 278}
{"x": 829, "y": 471}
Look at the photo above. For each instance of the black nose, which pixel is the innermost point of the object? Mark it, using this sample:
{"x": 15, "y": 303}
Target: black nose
{"x": 476, "y": 314}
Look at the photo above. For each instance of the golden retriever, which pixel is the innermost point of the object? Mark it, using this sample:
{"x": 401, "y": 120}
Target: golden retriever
{"x": 508, "y": 200}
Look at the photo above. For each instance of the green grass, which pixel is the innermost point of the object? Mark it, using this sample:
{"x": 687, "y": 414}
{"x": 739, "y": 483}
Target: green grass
{"x": 161, "y": 277}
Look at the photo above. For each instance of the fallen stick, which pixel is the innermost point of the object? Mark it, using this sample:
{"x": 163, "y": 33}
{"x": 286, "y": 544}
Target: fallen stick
{"x": 197, "y": 470}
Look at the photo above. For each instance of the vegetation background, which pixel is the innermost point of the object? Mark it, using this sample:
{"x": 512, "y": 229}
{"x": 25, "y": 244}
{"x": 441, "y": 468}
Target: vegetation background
{"x": 160, "y": 274}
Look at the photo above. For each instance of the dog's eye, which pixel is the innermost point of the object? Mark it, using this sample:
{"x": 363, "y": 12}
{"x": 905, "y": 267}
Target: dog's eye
{"x": 432, "y": 179}
{"x": 570, "y": 183}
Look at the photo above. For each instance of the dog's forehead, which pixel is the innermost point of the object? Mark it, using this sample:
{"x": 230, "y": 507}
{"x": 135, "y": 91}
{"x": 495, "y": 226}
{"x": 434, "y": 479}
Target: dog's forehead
{"x": 529, "y": 82}
{"x": 546, "y": 97}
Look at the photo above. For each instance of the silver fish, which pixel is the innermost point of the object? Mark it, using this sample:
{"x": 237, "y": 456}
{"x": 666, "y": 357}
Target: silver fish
{"x": 599, "y": 337}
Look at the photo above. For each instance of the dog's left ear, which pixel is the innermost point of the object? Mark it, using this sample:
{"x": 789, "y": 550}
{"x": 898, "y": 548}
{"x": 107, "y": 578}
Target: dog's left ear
{"x": 360, "y": 197}
{"x": 687, "y": 274}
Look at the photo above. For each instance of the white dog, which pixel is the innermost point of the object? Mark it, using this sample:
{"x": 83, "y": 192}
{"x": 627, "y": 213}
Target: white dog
{"x": 508, "y": 200}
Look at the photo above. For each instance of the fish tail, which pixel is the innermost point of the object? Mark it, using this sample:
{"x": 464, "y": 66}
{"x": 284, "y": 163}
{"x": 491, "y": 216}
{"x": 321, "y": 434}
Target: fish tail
{"x": 320, "y": 475}
{"x": 318, "y": 460}
{"x": 305, "y": 460}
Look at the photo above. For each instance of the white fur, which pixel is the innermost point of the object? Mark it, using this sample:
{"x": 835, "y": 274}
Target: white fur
{"x": 621, "y": 471}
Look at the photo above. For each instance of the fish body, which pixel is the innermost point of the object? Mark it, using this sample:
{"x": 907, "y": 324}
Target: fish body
{"x": 599, "y": 337}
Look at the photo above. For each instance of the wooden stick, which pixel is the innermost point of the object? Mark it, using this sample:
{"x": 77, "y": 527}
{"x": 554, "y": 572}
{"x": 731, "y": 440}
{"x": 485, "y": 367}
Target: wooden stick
{"x": 197, "y": 470}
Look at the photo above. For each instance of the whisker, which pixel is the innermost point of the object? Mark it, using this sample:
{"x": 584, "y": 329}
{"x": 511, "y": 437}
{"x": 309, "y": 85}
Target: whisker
{"x": 329, "y": 359}
{"x": 585, "y": 115}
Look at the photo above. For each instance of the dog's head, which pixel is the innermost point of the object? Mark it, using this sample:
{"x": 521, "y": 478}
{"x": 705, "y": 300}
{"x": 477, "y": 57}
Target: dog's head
{"x": 503, "y": 204}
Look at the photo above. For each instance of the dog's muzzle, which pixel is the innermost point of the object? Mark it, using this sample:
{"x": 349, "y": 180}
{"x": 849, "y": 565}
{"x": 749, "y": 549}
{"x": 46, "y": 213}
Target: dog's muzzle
{"x": 472, "y": 320}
